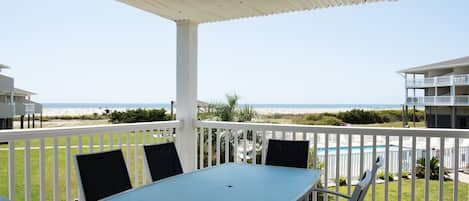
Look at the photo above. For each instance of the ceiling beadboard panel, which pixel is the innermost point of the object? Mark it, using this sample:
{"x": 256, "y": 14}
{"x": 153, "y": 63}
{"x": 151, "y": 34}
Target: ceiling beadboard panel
{"x": 203, "y": 11}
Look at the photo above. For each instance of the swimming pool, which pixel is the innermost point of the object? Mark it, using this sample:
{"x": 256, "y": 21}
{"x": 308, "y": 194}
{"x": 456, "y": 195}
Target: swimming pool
{"x": 356, "y": 149}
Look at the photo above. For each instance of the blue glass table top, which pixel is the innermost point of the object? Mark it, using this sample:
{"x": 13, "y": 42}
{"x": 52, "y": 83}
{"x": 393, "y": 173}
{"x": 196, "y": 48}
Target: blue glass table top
{"x": 228, "y": 182}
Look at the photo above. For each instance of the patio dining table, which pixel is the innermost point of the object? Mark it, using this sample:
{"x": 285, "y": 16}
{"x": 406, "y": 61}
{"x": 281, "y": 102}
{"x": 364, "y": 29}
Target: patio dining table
{"x": 228, "y": 182}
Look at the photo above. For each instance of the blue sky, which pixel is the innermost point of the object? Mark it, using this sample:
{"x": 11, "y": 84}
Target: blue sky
{"x": 105, "y": 51}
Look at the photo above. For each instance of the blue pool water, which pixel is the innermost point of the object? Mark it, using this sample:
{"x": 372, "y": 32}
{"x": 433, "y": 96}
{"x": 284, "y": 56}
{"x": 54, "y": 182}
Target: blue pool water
{"x": 356, "y": 149}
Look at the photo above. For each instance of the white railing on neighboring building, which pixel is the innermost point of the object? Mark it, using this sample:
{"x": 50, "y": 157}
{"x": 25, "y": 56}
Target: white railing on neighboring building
{"x": 447, "y": 80}
{"x": 41, "y": 160}
{"x": 439, "y": 100}
{"x": 221, "y": 142}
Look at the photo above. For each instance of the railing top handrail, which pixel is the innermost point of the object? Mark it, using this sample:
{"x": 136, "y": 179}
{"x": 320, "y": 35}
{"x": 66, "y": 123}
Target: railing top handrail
{"x": 35, "y": 133}
{"x": 417, "y": 132}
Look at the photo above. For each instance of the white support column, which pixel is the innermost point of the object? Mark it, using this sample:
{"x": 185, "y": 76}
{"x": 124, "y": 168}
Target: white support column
{"x": 406, "y": 89}
{"x": 12, "y": 102}
{"x": 186, "y": 92}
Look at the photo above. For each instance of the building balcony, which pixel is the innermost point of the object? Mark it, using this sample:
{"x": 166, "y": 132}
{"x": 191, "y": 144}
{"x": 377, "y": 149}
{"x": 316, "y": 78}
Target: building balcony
{"x": 450, "y": 80}
{"x": 38, "y": 163}
{"x": 7, "y": 110}
{"x": 439, "y": 101}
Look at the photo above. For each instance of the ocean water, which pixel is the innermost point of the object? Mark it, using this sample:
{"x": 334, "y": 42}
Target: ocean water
{"x": 167, "y": 105}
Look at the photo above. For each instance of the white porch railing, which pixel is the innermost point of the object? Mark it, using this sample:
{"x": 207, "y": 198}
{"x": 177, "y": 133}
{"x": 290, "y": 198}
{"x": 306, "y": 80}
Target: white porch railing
{"x": 446, "y": 80}
{"x": 220, "y": 142}
{"x": 37, "y": 164}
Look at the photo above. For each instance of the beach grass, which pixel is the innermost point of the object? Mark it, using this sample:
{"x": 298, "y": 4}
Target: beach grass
{"x": 396, "y": 124}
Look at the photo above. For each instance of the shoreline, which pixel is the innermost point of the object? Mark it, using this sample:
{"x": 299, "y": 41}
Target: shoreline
{"x": 259, "y": 110}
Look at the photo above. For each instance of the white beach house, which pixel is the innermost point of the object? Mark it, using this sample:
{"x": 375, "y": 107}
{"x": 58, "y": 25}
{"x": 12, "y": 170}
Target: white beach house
{"x": 443, "y": 89}
{"x": 39, "y": 161}
{"x": 16, "y": 102}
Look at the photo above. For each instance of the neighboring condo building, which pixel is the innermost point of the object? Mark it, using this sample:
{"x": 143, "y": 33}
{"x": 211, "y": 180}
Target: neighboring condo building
{"x": 443, "y": 89}
{"x": 16, "y": 102}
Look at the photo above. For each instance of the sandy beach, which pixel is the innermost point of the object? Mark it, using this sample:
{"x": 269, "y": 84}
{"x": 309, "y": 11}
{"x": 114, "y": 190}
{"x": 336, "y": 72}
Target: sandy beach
{"x": 261, "y": 111}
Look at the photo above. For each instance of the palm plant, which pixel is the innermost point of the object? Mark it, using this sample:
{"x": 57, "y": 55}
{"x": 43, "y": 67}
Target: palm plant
{"x": 434, "y": 168}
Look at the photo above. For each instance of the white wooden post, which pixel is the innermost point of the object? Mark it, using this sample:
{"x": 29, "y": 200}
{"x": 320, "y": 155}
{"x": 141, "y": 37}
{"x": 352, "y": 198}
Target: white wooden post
{"x": 186, "y": 92}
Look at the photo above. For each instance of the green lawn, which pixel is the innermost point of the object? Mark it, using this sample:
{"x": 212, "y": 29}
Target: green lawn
{"x": 34, "y": 164}
{"x": 419, "y": 192}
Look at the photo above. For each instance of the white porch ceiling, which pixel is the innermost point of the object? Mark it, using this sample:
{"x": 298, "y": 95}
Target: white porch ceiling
{"x": 203, "y": 11}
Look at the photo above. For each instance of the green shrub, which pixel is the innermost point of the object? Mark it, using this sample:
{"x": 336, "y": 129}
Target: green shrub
{"x": 381, "y": 175}
{"x": 359, "y": 116}
{"x": 329, "y": 120}
{"x": 405, "y": 174}
{"x": 139, "y": 115}
{"x": 342, "y": 181}
{"x": 312, "y": 117}
{"x": 434, "y": 168}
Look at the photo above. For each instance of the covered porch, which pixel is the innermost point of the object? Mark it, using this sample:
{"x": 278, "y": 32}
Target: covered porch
{"x": 40, "y": 163}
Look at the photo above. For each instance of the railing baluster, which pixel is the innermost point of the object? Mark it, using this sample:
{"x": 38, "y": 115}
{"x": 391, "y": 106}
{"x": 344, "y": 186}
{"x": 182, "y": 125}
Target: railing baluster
{"x": 152, "y": 136}
{"x": 227, "y": 145}
{"x": 210, "y": 149}
{"x": 245, "y": 146}
{"x": 315, "y": 158}
{"x": 362, "y": 154}
{"x": 136, "y": 179}
{"x": 373, "y": 184}
{"x": 218, "y": 145}
{"x": 427, "y": 169}
{"x": 235, "y": 151}
{"x": 315, "y": 153}
{"x": 142, "y": 164}
{"x": 101, "y": 141}
{"x": 264, "y": 147}
{"x": 326, "y": 163}
{"x": 119, "y": 140}
{"x": 42, "y": 170}
{"x": 127, "y": 161}
{"x": 413, "y": 162}
{"x": 349, "y": 163}
{"x": 79, "y": 151}
{"x": 399, "y": 174}
{"x": 201, "y": 148}
{"x": 68, "y": 191}
{"x": 337, "y": 164}
{"x": 11, "y": 169}
{"x": 456, "y": 169}
{"x": 90, "y": 143}
{"x": 27, "y": 171}
{"x": 386, "y": 170}
{"x": 253, "y": 154}
{"x": 442, "y": 169}
{"x": 55, "y": 183}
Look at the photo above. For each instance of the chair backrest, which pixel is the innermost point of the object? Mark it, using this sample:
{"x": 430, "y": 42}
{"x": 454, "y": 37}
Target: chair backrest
{"x": 287, "y": 153}
{"x": 362, "y": 187}
{"x": 162, "y": 160}
{"x": 102, "y": 174}
{"x": 379, "y": 162}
